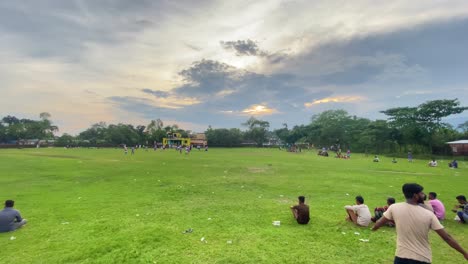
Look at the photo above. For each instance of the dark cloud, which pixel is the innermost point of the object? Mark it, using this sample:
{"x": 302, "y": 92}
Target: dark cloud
{"x": 434, "y": 53}
{"x": 157, "y": 93}
{"x": 243, "y": 47}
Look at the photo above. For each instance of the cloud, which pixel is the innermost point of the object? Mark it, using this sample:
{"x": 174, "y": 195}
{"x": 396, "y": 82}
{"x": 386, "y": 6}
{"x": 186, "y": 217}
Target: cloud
{"x": 259, "y": 110}
{"x": 243, "y": 47}
{"x": 337, "y": 99}
{"x": 157, "y": 93}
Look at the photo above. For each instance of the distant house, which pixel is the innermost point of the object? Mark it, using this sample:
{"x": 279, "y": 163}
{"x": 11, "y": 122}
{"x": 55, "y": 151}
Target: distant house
{"x": 198, "y": 140}
{"x": 459, "y": 147}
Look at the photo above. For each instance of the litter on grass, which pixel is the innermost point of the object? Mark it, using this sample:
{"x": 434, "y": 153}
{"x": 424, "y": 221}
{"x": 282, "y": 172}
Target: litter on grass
{"x": 188, "y": 231}
{"x": 12, "y": 238}
{"x": 203, "y": 240}
{"x": 364, "y": 240}
{"x": 344, "y": 233}
{"x": 357, "y": 233}
{"x": 65, "y": 223}
{"x": 229, "y": 242}
{"x": 276, "y": 223}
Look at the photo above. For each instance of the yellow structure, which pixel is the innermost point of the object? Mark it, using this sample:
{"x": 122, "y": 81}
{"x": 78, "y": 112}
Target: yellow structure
{"x": 175, "y": 139}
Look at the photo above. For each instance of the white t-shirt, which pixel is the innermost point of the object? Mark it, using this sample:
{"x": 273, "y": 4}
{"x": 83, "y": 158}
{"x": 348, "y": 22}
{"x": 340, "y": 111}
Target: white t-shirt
{"x": 363, "y": 213}
{"x": 413, "y": 223}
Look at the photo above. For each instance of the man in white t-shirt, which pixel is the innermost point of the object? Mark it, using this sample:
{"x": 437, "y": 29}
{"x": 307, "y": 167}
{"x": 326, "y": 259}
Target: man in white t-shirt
{"x": 413, "y": 223}
{"x": 359, "y": 213}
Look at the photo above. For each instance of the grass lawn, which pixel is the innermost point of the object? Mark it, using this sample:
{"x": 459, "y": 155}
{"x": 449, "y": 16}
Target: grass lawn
{"x": 100, "y": 206}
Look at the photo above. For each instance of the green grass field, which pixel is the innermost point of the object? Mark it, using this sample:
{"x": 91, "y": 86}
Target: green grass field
{"x": 99, "y": 206}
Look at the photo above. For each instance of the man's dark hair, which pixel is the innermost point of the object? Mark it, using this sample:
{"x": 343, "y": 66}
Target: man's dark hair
{"x": 301, "y": 199}
{"x": 360, "y": 199}
{"x": 461, "y": 197}
{"x": 410, "y": 189}
{"x": 9, "y": 203}
{"x": 433, "y": 194}
{"x": 390, "y": 200}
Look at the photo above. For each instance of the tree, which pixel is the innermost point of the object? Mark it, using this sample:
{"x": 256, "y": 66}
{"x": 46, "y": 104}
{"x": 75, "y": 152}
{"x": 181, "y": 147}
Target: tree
{"x": 425, "y": 119}
{"x": 257, "y": 130}
{"x": 333, "y": 126}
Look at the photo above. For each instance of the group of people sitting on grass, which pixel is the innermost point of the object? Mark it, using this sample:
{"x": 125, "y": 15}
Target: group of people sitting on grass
{"x": 361, "y": 215}
{"x": 413, "y": 220}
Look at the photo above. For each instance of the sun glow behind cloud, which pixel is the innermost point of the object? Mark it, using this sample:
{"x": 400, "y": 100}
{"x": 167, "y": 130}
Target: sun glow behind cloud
{"x": 259, "y": 110}
{"x": 255, "y": 110}
{"x": 336, "y": 99}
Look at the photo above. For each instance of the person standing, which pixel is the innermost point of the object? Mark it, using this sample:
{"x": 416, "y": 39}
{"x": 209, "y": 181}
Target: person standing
{"x": 359, "y": 213}
{"x": 10, "y": 219}
{"x": 301, "y": 211}
{"x": 437, "y": 205}
{"x": 410, "y": 156}
{"x": 413, "y": 224}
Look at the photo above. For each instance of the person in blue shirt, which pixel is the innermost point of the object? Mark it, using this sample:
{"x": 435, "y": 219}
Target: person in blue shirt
{"x": 10, "y": 219}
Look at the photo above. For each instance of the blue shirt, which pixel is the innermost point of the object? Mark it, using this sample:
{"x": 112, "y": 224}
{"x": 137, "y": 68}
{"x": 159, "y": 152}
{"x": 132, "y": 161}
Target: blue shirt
{"x": 7, "y": 219}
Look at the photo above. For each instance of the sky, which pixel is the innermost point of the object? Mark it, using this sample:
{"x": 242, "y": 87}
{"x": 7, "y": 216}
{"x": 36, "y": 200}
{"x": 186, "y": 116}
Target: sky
{"x": 201, "y": 63}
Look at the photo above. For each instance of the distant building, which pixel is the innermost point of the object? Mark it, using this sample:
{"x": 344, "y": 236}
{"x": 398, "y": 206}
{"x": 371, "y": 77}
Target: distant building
{"x": 198, "y": 140}
{"x": 459, "y": 147}
{"x": 175, "y": 139}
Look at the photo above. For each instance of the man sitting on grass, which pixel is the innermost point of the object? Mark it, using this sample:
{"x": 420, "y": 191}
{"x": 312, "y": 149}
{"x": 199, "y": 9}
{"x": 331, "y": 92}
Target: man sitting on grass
{"x": 437, "y": 205}
{"x": 301, "y": 211}
{"x": 378, "y": 212}
{"x": 10, "y": 219}
{"x": 463, "y": 205}
{"x": 359, "y": 213}
{"x": 432, "y": 163}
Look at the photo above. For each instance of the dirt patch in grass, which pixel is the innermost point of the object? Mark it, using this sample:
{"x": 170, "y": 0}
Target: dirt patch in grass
{"x": 257, "y": 170}
{"x": 56, "y": 156}
{"x": 402, "y": 172}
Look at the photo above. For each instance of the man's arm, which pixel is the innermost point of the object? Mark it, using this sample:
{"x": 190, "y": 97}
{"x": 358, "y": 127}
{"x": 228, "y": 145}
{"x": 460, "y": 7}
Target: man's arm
{"x": 452, "y": 242}
{"x": 455, "y": 208}
{"x": 18, "y": 217}
{"x": 382, "y": 221}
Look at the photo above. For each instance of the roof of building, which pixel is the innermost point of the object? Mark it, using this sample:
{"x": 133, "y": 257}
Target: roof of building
{"x": 463, "y": 141}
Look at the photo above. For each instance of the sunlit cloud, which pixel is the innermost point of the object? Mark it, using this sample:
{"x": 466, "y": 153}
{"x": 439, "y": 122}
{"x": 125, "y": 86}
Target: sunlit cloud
{"x": 259, "y": 110}
{"x": 336, "y": 99}
{"x": 255, "y": 110}
{"x": 223, "y": 93}
{"x": 175, "y": 102}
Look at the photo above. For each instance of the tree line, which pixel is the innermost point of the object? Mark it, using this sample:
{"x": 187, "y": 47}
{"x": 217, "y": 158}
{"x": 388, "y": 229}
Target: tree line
{"x": 419, "y": 129}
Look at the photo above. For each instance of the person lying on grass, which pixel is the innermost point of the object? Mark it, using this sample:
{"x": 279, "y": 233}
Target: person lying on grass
{"x": 301, "y": 211}
{"x": 413, "y": 224}
{"x": 378, "y": 211}
{"x": 359, "y": 213}
{"x": 10, "y": 219}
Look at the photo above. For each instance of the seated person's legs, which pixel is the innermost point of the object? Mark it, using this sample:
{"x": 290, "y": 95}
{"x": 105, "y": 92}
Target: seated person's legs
{"x": 463, "y": 217}
{"x": 19, "y": 224}
{"x": 351, "y": 216}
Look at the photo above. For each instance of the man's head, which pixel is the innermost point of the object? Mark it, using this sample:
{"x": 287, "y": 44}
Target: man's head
{"x": 432, "y": 195}
{"x": 301, "y": 199}
{"x": 359, "y": 199}
{"x": 9, "y": 203}
{"x": 413, "y": 191}
{"x": 461, "y": 199}
{"x": 390, "y": 200}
